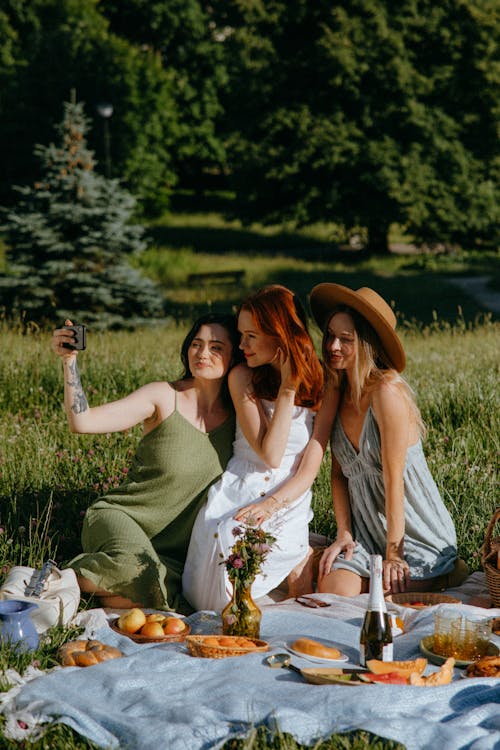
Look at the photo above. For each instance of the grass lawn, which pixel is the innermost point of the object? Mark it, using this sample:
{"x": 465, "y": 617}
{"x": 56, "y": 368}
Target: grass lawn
{"x": 48, "y": 477}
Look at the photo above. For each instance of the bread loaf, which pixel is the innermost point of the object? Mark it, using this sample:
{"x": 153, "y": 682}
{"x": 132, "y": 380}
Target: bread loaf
{"x": 314, "y": 648}
{"x": 86, "y": 653}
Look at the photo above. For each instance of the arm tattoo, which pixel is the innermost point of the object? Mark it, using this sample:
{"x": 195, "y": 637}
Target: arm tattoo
{"x": 80, "y": 402}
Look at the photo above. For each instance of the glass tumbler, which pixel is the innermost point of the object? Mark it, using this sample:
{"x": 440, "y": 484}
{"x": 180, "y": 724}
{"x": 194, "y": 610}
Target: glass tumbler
{"x": 444, "y": 619}
{"x": 476, "y": 633}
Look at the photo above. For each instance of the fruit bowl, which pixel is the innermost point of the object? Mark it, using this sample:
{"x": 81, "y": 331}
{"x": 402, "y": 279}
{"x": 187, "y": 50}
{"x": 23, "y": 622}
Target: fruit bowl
{"x": 139, "y": 638}
{"x": 417, "y": 600}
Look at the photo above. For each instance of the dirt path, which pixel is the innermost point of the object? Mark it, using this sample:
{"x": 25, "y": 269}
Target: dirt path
{"x": 477, "y": 288}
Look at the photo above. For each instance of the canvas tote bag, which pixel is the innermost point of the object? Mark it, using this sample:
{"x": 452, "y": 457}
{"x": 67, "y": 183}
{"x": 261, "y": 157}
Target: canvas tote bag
{"x": 55, "y": 591}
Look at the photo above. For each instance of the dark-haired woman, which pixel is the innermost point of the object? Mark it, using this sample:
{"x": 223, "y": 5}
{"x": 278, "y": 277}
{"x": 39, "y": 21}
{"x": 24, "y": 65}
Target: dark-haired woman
{"x": 135, "y": 537}
{"x": 276, "y": 395}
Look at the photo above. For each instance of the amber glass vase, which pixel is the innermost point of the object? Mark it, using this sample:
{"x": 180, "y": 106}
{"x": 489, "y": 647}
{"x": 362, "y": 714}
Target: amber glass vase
{"x": 241, "y": 616}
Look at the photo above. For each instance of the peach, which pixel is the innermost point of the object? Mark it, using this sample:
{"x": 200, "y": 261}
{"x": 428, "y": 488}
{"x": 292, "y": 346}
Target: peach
{"x": 173, "y": 625}
{"x": 152, "y": 630}
{"x": 132, "y": 620}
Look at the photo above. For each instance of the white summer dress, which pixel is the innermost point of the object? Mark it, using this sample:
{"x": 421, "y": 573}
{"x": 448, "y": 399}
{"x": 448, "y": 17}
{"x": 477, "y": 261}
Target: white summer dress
{"x": 246, "y": 480}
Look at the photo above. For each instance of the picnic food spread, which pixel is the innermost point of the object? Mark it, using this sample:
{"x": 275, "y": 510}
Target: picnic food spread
{"x": 405, "y": 668}
{"x": 442, "y": 677}
{"x": 86, "y": 653}
{"x": 314, "y": 648}
{"x": 220, "y": 646}
{"x": 487, "y": 666}
{"x": 155, "y": 626}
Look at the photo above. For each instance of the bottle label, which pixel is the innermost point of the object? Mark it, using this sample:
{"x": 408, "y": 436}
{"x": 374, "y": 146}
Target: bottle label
{"x": 386, "y": 653}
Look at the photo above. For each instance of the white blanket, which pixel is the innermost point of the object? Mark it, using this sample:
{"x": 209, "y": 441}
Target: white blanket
{"x": 160, "y": 696}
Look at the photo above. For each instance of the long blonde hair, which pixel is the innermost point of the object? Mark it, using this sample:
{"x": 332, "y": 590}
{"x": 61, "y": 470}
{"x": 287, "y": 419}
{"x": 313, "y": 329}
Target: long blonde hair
{"x": 372, "y": 366}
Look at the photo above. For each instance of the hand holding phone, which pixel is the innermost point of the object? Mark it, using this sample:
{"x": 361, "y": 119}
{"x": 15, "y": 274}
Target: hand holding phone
{"x": 79, "y": 337}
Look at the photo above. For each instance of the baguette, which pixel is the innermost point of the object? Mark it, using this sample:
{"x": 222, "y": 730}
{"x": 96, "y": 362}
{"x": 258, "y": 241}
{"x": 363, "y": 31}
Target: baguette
{"x": 314, "y": 648}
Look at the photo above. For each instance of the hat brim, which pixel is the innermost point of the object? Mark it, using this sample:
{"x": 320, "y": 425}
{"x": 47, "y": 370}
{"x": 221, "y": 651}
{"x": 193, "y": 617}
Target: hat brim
{"x": 325, "y": 297}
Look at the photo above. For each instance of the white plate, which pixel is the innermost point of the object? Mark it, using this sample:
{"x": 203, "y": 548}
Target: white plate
{"x": 316, "y": 659}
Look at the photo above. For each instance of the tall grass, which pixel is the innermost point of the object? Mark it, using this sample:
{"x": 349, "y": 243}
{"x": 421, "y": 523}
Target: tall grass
{"x": 48, "y": 477}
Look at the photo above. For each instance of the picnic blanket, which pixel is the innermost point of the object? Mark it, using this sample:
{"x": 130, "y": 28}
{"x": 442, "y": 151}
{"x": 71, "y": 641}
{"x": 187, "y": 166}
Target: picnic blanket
{"x": 160, "y": 696}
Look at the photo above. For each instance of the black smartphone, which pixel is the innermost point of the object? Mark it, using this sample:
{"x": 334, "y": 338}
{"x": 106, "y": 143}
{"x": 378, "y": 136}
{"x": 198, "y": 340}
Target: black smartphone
{"x": 79, "y": 337}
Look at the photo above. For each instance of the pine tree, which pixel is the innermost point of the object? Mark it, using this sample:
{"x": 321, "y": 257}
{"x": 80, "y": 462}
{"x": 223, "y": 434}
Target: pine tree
{"x": 68, "y": 238}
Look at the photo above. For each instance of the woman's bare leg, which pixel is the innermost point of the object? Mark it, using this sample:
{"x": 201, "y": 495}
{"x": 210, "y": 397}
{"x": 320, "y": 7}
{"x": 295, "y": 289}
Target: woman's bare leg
{"x": 300, "y": 579}
{"x": 343, "y": 583}
{"x": 107, "y": 599}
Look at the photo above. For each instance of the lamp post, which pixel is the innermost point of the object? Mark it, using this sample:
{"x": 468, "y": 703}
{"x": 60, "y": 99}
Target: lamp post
{"x": 105, "y": 110}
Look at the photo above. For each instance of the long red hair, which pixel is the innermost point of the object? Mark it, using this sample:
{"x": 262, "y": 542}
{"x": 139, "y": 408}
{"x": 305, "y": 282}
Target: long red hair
{"x": 277, "y": 312}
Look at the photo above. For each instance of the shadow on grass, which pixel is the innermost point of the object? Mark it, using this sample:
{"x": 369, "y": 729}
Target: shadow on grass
{"x": 60, "y": 536}
{"x": 418, "y": 297}
{"x": 263, "y": 739}
{"x": 241, "y": 240}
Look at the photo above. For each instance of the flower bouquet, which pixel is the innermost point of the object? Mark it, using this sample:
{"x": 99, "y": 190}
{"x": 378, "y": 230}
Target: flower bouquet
{"x": 242, "y": 616}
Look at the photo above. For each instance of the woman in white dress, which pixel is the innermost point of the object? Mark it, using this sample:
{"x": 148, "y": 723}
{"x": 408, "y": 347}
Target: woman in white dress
{"x": 276, "y": 395}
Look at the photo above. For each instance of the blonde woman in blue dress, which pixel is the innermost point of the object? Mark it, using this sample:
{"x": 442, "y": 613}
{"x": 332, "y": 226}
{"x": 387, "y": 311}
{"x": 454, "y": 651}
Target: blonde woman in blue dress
{"x": 385, "y": 499}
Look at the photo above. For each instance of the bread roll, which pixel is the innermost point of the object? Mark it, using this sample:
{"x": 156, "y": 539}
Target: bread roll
{"x": 86, "y": 653}
{"x": 314, "y": 648}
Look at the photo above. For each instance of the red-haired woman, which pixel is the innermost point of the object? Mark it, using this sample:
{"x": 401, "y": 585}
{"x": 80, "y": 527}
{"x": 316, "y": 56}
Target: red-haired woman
{"x": 276, "y": 395}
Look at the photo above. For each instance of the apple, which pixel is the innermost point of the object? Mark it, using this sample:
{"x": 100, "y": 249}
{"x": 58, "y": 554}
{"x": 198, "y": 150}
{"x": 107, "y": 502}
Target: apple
{"x": 152, "y": 630}
{"x": 132, "y": 620}
{"x": 172, "y": 625}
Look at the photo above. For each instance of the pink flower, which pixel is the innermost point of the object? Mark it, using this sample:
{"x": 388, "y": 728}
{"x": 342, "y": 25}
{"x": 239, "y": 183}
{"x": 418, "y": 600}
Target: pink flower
{"x": 236, "y": 561}
{"x": 261, "y": 549}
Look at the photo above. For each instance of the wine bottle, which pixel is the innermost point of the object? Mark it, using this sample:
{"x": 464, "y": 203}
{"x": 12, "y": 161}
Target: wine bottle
{"x": 376, "y": 637}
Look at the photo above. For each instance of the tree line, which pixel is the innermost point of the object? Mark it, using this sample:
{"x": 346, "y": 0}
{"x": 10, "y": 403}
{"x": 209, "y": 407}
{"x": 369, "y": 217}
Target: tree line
{"x": 363, "y": 112}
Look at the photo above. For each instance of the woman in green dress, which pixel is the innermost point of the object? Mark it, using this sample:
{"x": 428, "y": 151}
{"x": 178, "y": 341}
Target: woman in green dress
{"x": 135, "y": 537}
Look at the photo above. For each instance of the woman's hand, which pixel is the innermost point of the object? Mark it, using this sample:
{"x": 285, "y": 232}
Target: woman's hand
{"x": 343, "y": 543}
{"x": 62, "y": 336}
{"x": 288, "y": 382}
{"x": 395, "y": 575}
{"x": 256, "y": 513}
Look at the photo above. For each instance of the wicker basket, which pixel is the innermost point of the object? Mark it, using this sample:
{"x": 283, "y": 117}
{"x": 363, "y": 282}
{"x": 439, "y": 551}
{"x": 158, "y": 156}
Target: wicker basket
{"x": 427, "y": 599}
{"x": 206, "y": 646}
{"x": 138, "y": 638}
{"x": 489, "y": 560}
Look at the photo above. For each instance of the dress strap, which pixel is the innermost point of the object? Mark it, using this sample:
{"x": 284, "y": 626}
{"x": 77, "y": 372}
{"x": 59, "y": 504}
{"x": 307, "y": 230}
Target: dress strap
{"x": 175, "y": 399}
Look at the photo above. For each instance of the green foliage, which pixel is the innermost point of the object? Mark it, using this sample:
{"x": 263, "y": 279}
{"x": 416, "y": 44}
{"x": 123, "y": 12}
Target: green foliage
{"x": 367, "y": 113}
{"x": 67, "y": 240}
{"x": 55, "y": 46}
{"x": 179, "y": 33}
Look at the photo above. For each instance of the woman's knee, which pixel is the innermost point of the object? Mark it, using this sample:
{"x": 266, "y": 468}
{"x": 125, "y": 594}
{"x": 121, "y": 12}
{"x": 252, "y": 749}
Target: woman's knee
{"x": 341, "y": 582}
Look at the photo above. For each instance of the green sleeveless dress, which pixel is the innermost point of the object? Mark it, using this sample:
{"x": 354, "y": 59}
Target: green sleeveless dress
{"x": 135, "y": 538}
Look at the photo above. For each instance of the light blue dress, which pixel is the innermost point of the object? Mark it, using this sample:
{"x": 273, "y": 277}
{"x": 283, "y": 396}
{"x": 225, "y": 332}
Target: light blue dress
{"x": 430, "y": 543}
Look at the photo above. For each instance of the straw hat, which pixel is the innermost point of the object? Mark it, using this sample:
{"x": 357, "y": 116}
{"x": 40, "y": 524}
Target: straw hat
{"x": 325, "y": 298}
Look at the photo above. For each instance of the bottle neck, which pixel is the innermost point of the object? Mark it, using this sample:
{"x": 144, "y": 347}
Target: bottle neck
{"x": 376, "y": 601}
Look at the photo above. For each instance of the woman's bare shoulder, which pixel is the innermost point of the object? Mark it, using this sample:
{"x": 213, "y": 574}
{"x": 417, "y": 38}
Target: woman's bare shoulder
{"x": 240, "y": 376}
{"x": 388, "y": 397}
{"x": 162, "y": 394}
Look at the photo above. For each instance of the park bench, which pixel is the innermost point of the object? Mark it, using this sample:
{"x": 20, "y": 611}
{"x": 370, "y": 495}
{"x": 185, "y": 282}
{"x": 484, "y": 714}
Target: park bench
{"x": 217, "y": 277}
